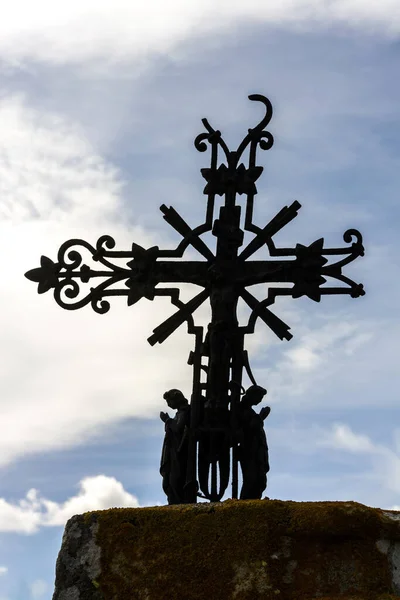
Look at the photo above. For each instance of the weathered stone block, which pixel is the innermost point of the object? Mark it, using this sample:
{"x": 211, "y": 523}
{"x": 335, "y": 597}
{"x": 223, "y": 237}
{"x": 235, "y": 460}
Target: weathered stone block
{"x": 235, "y": 550}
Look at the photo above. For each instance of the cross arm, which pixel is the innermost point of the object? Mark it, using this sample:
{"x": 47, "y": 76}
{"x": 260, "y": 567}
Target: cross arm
{"x": 309, "y": 269}
{"x": 136, "y": 278}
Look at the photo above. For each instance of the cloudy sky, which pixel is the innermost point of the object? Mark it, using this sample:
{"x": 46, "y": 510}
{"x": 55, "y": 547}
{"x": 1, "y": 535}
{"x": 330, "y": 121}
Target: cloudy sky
{"x": 99, "y": 105}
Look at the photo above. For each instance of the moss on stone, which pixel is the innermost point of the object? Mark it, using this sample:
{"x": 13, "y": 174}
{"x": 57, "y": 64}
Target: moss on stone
{"x": 245, "y": 550}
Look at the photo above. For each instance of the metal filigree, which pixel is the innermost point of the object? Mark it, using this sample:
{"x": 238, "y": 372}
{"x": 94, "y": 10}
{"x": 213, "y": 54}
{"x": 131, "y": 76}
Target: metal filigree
{"x": 216, "y": 417}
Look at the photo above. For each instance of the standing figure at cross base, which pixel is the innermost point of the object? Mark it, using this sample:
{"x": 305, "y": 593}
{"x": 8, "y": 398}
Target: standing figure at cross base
{"x": 175, "y": 447}
{"x": 206, "y": 442}
{"x": 253, "y": 447}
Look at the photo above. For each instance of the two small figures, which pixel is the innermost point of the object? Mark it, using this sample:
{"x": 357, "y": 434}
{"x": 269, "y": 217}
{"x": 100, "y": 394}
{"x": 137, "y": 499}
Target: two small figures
{"x": 252, "y": 447}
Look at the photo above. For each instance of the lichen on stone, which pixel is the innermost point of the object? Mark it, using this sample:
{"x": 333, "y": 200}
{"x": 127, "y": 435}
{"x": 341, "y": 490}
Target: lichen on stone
{"x": 246, "y": 550}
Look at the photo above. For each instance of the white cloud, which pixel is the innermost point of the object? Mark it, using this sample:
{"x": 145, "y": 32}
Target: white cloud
{"x": 344, "y": 438}
{"x": 356, "y": 466}
{"x": 39, "y": 587}
{"x": 303, "y": 358}
{"x": 96, "y": 493}
{"x": 23, "y": 517}
{"x": 92, "y": 29}
{"x": 317, "y": 353}
{"x": 49, "y": 171}
{"x": 385, "y": 462}
{"x": 3, "y": 570}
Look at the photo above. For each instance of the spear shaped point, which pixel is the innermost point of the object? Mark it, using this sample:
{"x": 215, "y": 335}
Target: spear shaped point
{"x": 45, "y": 275}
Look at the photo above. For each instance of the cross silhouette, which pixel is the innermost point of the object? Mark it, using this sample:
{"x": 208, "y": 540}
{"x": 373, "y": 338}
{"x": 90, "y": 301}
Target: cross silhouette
{"x": 224, "y": 276}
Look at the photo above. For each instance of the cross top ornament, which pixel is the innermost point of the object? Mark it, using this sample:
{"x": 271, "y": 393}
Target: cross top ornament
{"x": 218, "y": 430}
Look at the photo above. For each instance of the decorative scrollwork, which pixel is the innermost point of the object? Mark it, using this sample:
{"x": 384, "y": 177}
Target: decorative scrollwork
{"x": 104, "y": 243}
{"x": 97, "y": 302}
{"x": 70, "y": 289}
{"x": 356, "y": 250}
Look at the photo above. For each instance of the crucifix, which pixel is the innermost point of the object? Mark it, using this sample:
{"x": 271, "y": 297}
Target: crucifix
{"x": 213, "y": 434}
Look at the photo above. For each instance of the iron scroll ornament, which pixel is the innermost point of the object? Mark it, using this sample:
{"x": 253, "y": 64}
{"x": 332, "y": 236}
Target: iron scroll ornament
{"x": 224, "y": 275}
{"x": 144, "y": 272}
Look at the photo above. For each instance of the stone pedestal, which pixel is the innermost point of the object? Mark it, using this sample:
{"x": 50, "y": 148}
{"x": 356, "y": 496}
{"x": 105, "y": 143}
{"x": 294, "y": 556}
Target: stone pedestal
{"x": 234, "y": 550}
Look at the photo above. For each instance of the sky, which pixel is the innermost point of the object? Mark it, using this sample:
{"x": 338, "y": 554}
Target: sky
{"x": 99, "y": 105}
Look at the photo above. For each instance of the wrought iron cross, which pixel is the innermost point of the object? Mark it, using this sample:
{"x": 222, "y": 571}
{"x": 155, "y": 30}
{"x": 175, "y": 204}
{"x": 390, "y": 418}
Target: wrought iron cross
{"x": 223, "y": 275}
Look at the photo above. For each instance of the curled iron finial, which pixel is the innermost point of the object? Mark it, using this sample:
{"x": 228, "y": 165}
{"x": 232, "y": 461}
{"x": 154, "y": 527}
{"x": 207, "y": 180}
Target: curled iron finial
{"x": 268, "y": 110}
{"x": 256, "y": 134}
{"x": 234, "y": 176}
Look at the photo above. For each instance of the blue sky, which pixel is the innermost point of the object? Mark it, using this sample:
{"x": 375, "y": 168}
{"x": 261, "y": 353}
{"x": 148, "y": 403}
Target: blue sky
{"x": 99, "y": 108}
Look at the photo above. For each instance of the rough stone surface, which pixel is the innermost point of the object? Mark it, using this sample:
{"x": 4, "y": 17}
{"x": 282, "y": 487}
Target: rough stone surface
{"x": 78, "y": 563}
{"x": 234, "y": 550}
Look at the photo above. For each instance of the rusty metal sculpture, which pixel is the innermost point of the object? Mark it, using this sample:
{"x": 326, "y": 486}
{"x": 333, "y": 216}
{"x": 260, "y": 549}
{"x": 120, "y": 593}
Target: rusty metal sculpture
{"x": 220, "y": 431}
